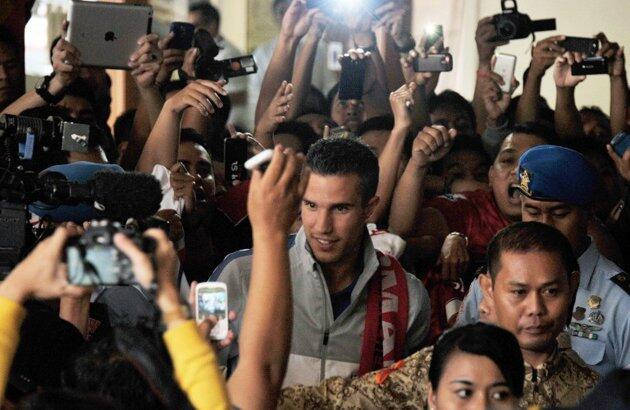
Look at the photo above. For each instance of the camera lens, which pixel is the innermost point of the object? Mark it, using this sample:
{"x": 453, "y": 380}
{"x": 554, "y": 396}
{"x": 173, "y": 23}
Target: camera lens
{"x": 506, "y": 29}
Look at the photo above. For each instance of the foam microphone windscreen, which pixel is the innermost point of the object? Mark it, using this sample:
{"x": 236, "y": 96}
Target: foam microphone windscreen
{"x": 126, "y": 195}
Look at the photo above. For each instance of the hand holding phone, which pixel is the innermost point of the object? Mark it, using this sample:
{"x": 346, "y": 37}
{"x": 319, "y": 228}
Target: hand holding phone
{"x": 505, "y": 65}
{"x": 621, "y": 143}
{"x": 211, "y": 299}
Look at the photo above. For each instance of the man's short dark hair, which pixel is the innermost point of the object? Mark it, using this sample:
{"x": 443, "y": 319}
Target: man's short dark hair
{"x": 380, "y": 123}
{"x": 536, "y": 128}
{"x": 485, "y": 340}
{"x": 209, "y": 13}
{"x": 524, "y": 237}
{"x": 191, "y": 135}
{"x": 344, "y": 156}
{"x": 81, "y": 88}
{"x": 466, "y": 143}
{"x": 454, "y": 100}
{"x": 8, "y": 39}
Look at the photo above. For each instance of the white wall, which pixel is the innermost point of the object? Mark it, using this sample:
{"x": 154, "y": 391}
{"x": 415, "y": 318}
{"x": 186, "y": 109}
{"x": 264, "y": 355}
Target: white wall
{"x": 583, "y": 18}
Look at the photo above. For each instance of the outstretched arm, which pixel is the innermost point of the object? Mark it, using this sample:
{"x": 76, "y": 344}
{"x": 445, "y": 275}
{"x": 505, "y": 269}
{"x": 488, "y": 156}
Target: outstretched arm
{"x": 567, "y": 118}
{"x": 265, "y": 336}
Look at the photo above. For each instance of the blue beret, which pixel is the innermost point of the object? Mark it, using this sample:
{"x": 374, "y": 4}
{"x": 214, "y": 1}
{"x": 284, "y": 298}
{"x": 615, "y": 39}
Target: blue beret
{"x": 553, "y": 173}
{"x": 76, "y": 172}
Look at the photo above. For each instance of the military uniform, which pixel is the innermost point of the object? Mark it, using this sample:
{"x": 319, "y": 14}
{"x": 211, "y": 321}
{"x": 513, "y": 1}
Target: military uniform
{"x": 561, "y": 381}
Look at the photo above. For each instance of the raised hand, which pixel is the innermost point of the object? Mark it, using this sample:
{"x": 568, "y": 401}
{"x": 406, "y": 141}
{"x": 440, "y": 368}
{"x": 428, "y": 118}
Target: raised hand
{"x": 544, "y": 54}
{"x": 183, "y": 185}
{"x": 484, "y": 37}
{"x": 200, "y": 94}
{"x": 66, "y": 60}
{"x": 431, "y": 145}
{"x": 402, "y": 102}
{"x": 454, "y": 257}
{"x": 274, "y": 196}
{"x": 146, "y": 61}
{"x": 562, "y": 70}
{"x": 621, "y": 163}
{"x": 41, "y": 275}
{"x": 276, "y": 112}
{"x": 172, "y": 59}
{"x": 494, "y": 99}
{"x": 297, "y": 20}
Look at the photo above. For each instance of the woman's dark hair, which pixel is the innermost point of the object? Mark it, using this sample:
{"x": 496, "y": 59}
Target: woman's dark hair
{"x": 64, "y": 400}
{"x": 343, "y": 156}
{"x": 481, "y": 339}
{"x": 464, "y": 143}
{"x": 302, "y": 131}
{"x": 131, "y": 368}
{"x": 524, "y": 237}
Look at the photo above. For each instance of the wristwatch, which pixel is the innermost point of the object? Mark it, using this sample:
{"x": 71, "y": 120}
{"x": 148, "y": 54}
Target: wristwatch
{"x": 42, "y": 90}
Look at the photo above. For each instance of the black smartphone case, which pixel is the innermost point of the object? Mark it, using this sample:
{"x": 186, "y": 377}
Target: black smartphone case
{"x": 590, "y": 66}
{"x": 235, "y": 150}
{"x": 588, "y": 46}
{"x": 352, "y": 78}
{"x": 183, "y": 35}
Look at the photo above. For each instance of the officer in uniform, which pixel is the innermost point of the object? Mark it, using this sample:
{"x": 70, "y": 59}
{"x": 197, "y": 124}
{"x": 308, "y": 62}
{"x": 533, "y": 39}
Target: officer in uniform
{"x": 558, "y": 186}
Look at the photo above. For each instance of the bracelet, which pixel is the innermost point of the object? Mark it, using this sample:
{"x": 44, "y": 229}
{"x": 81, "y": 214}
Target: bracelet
{"x": 461, "y": 235}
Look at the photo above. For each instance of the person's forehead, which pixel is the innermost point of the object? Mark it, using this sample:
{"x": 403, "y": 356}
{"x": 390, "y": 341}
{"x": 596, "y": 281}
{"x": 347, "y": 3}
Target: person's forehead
{"x": 332, "y": 189}
{"x": 193, "y": 152}
{"x": 520, "y": 142}
{"x": 545, "y": 205}
{"x": 533, "y": 268}
{"x": 466, "y": 158}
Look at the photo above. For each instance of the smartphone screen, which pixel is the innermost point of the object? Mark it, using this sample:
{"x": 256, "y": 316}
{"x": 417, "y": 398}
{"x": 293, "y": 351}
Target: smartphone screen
{"x": 433, "y": 34}
{"x": 211, "y": 299}
{"x": 433, "y": 63}
{"x": 505, "y": 65}
{"x": 352, "y": 78}
{"x": 235, "y": 150}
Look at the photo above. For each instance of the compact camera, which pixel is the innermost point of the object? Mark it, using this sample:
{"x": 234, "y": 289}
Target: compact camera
{"x": 511, "y": 24}
{"x": 207, "y": 68}
{"x": 94, "y": 260}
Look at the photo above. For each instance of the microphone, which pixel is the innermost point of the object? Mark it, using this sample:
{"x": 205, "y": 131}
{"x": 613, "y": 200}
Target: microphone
{"x": 116, "y": 196}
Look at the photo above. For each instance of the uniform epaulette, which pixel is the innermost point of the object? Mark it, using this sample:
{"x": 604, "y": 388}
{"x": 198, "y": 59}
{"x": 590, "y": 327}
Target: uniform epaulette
{"x": 623, "y": 281}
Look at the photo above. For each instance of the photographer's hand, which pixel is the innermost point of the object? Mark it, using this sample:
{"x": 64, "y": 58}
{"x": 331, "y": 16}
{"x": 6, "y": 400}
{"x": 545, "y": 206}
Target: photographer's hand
{"x": 66, "y": 62}
{"x": 200, "y": 94}
{"x": 402, "y": 102}
{"x": 145, "y": 62}
{"x": 41, "y": 275}
{"x": 495, "y": 100}
{"x": 562, "y": 70}
{"x": 274, "y": 115}
{"x": 164, "y": 273}
{"x": 183, "y": 185}
{"x": 621, "y": 163}
{"x": 296, "y": 20}
{"x": 172, "y": 59}
{"x": 544, "y": 54}
{"x": 618, "y": 82}
{"x": 484, "y": 36}
{"x": 205, "y": 327}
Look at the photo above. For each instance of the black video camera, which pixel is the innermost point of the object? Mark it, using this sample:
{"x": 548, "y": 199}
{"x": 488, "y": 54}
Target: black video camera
{"x": 207, "y": 68}
{"x": 26, "y": 142}
{"x": 511, "y": 24}
{"x": 94, "y": 260}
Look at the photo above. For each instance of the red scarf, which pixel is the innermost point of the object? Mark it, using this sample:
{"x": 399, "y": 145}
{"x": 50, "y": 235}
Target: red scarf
{"x": 387, "y": 316}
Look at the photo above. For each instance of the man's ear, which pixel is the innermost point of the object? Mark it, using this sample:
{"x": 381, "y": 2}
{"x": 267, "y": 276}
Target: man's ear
{"x": 490, "y": 174}
{"x": 371, "y": 206}
{"x": 485, "y": 282}
{"x": 432, "y": 399}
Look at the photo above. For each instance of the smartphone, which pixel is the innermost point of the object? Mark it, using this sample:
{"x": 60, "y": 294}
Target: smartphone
{"x": 590, "y": 66}
{"x": 235, "y": 150}
{"x": 505, "y": 65}
{"x": 588, "y": 46}
{"x": 212, "y": 300}
{"x": 621, "y": 143}
{"x": 433, "y": 63}
{"x": 260, "y": 160}
{"x": 183, "y": 35}
{"x": 352, "y": 78}
{"x": 432, "y": 34}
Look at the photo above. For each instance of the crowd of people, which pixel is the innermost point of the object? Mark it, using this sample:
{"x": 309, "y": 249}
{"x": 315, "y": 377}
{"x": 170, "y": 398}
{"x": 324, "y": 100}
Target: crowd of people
{"x": 408, "y": 249}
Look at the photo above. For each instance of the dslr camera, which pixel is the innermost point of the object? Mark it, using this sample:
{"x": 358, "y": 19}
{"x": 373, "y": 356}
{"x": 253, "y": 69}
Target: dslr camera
{"x": 94, "y": 260}
{"x": 511, "y": 24}
{"x": 207, "y": 68}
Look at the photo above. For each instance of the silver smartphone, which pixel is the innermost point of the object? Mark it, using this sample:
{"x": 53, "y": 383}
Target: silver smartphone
{"x": 212, "y": 300}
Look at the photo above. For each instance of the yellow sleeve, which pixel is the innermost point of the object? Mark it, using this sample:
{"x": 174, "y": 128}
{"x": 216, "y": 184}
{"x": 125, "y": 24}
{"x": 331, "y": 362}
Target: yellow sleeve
{"x": 11, "y": 317}
{"x": 196, "y": 368}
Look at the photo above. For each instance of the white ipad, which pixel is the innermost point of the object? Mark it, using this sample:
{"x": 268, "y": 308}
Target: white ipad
{"x": 106, "y": 34}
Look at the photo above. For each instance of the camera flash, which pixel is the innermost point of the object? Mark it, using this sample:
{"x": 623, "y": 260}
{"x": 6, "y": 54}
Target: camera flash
{"x": 430, "y": 29}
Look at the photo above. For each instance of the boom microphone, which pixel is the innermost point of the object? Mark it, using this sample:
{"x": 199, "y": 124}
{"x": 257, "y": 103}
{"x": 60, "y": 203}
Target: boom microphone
{"x": 116, "y": 196}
